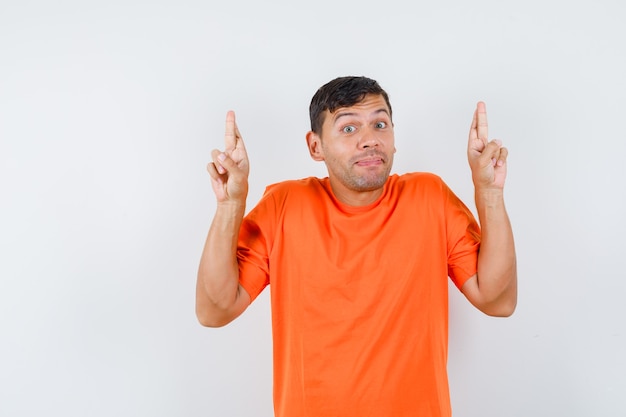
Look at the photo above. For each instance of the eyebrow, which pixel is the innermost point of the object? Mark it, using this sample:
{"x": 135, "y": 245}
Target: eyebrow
{"x": 348, "y": 113}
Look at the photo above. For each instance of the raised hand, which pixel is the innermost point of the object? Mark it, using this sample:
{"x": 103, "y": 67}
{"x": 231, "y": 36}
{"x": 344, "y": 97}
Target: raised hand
{"x": 229, "y": 169}
{"x": 487, "y": 159}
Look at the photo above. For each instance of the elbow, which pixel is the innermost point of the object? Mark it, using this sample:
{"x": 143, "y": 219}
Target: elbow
{"x": 499, "y": 300}
{"x": 509, "y": 309}
{"x": 503, "y": 308}
{"x": 501, "y": 312}
{"x": 217, "y": 311}
{"x": 207, "y": 321}
{"x": 211, "y": 319}
{"x": 211, "y": 322}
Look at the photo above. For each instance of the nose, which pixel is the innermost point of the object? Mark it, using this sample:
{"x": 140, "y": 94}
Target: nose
{"x": 368, "y": 139}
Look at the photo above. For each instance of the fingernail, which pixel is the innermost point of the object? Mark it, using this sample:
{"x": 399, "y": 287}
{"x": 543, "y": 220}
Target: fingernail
{"x": 221, "y": 157}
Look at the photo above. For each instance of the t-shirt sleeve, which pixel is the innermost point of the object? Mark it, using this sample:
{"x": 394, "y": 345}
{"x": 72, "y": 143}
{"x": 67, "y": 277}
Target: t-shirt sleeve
{"x": 254, "y": 245}
{"x": 463, "y": 239}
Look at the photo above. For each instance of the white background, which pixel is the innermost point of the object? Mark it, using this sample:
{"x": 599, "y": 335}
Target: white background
{"x": 108, "y": 113}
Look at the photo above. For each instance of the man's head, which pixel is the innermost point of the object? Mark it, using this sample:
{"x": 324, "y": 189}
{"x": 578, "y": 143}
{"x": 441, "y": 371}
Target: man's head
{"x": 352, "y": 132}
{"x": 341, "y": 92}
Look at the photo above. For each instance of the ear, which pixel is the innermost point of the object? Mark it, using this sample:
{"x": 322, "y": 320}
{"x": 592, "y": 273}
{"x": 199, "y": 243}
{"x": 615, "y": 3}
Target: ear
{"x": 314, "y": 143}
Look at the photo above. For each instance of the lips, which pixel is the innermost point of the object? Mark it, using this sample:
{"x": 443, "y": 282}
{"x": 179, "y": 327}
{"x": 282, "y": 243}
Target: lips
{"x": 369, "y": 162}
{"x": 370, "y": 159}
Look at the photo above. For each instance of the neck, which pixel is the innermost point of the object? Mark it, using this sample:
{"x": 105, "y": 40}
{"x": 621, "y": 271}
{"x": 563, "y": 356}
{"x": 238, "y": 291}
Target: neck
{"x": 355, "y": 198}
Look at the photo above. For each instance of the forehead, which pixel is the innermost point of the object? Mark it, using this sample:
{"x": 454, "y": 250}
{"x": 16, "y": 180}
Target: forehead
{"x": 370, "y": 105}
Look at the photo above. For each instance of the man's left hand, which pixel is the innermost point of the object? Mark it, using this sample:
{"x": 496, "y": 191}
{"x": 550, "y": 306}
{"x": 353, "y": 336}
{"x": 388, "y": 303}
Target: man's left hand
{"x": 487, "y": 159}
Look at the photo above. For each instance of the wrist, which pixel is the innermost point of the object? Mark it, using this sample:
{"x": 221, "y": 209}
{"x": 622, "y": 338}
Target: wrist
{"x": 234, "y": 205}
{"x": 489, "y": 192}
{"x": 489, "y": 197}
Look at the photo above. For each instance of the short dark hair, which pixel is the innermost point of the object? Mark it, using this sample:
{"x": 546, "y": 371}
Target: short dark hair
{"x": 342, "y": 92}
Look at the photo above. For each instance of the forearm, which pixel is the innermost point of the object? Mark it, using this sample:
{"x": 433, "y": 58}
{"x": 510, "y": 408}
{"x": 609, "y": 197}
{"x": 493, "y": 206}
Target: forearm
{"x": 218, "y": 274}
{"x": 497, "y": 270}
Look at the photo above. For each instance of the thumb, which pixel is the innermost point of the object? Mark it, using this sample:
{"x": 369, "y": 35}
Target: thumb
{"x": 492, "y": 149}
{"x": 229, "y": 165}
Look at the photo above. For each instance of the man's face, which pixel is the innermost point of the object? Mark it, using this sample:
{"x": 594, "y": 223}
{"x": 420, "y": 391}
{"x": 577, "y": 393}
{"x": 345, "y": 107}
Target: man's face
{"x": 357, "y": 145}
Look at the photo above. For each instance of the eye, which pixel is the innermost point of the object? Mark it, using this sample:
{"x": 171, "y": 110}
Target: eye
{"x": 381, "y": 125}
{"x": 349, "y": 129}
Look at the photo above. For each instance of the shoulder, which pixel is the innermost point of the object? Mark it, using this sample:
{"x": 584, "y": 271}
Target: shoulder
{"x": 309, "y": 190}
{"x": 425, "y": 181}
{"x": 304, "y": 186}
{"x": 287, "y": 196}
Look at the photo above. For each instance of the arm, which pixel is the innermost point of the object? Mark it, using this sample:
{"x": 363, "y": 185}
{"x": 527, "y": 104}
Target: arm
{"x": 219, "y": 296}
{"x": 493, "y": 290}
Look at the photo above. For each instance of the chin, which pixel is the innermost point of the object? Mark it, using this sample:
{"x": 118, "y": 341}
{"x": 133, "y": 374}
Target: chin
{"x": 370, "y": 184}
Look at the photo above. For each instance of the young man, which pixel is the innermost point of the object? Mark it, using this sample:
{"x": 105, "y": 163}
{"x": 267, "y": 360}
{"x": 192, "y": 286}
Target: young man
{"x": 358, "y": 261}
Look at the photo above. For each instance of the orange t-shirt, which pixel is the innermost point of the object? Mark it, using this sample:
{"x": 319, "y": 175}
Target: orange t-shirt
{"x": 359, "y": 295}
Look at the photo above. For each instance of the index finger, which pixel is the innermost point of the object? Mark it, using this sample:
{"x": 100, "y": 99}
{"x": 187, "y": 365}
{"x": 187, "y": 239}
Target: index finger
{"x": 481, "y": 122}
{"x": 231, "y": 132}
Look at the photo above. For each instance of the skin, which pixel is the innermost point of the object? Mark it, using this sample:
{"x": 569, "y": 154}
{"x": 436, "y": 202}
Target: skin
{"x": 357, "y": 145}
{"x": 219, "y": 296}
{"x": 493, "y": 290}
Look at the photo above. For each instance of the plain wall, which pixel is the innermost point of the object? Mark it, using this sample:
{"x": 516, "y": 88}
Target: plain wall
{"x": 109, "y": 111}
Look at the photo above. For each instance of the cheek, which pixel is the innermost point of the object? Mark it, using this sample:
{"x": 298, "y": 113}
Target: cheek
{"x": 335, "y": 149}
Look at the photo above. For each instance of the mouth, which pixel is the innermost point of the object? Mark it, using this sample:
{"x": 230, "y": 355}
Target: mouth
{"x": 370, "y": 160}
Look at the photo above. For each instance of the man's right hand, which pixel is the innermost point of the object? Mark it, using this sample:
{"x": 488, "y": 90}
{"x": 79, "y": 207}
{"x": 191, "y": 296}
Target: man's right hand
{"x": 229, "y": 169}
{"x": 220, "y": 298}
